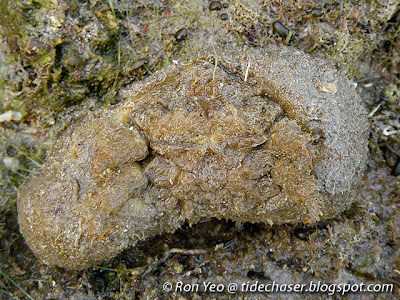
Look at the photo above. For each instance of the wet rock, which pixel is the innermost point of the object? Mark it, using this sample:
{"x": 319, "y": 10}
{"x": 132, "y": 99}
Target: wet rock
{"x": 280, "y": 29}
{"x": 181, "y": 34}
{"x": 396, "y": 168}
{"x": 317, "y": 12}
{"x": 256, "y": 138}
{"x": 215, "y": 5}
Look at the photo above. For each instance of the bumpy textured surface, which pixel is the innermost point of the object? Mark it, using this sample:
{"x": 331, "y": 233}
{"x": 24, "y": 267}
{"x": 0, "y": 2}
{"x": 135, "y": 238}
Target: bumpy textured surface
{"x": 268, "y": 135}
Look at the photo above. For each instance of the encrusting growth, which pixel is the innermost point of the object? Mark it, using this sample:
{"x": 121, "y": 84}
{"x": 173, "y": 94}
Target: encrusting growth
{"x": 281, "y": 141}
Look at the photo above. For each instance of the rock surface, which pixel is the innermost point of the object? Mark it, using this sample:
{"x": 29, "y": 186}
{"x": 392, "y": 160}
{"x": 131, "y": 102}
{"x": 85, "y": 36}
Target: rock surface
{"x": 269, "y": 135}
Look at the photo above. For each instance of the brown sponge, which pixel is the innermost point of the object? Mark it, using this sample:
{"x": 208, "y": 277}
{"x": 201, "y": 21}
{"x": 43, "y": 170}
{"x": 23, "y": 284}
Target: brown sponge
{"x": 269, "y": 135}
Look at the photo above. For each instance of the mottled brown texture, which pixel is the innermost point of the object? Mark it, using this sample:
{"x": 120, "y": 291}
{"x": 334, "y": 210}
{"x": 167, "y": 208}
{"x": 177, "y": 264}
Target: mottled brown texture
{"x": 285, "y": 143}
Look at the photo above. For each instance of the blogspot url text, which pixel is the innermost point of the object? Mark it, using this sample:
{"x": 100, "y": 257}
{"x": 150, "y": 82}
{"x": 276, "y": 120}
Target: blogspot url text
{"x": 274, "y": 287}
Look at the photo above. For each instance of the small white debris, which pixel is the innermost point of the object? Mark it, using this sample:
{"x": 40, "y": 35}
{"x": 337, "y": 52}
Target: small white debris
{"x": 387, "y": 131}
{"x": 11, "y": 163}
{"x": 247, "y": 71}
{"x": 329, "y": 87}
{"x": 371, "y": 114}
{"x": 368, "y": 85}
{"x": 10, "y": 116}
